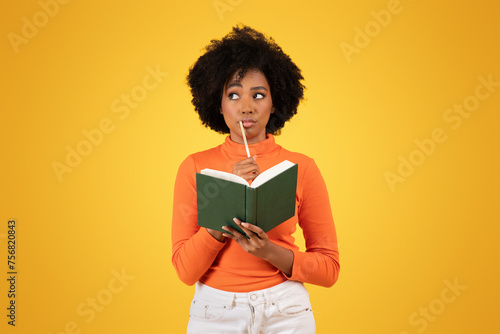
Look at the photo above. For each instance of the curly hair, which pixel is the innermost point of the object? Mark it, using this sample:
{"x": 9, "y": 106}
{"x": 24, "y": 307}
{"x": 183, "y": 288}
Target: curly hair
{"x": 242, "y": 49}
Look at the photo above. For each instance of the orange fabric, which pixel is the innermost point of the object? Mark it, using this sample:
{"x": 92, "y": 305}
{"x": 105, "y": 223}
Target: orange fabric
{"x": 197, "y": 256}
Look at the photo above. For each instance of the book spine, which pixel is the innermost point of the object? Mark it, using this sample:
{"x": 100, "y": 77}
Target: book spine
{"x": 251, "y": 205}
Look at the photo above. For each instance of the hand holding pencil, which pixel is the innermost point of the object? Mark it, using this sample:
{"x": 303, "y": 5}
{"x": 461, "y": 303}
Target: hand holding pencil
{"x": 247, "y": 168}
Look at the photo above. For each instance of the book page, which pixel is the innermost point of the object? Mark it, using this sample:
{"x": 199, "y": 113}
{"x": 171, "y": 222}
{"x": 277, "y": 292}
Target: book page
{"x": 271, "y": 172}
{"x": 224, "y": 175}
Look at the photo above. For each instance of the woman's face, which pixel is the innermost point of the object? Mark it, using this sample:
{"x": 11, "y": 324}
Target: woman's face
{"x": 247, "y": 99}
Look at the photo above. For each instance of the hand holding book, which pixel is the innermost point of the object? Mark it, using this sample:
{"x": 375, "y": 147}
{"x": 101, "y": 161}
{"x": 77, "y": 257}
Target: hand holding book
{"x": 258, "y": 244}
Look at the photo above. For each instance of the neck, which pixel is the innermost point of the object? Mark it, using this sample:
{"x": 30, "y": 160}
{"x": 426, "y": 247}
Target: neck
{"x": 264, "y": 148}
{"x": 253, "y": 140}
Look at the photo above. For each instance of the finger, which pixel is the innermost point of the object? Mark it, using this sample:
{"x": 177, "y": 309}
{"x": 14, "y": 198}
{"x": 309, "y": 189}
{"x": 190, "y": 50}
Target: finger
{"x": 249, "y": 232}
{"x": 245, "y": 164}
{"x": 254, "y": 229}
{"x": 233, "y": 234}
{"x": 247, "y": 161}
{"x": 246, "y": 169}
{"x": 247, "y": 175}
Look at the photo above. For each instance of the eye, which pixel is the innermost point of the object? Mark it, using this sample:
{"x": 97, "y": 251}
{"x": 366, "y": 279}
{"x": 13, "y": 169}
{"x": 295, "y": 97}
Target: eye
{"x": 259, "y": 96}
{"x": 233, "y": 96}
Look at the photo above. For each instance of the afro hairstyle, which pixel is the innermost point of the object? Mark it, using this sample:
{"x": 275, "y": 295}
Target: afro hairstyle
{"x": 241, "y": 50}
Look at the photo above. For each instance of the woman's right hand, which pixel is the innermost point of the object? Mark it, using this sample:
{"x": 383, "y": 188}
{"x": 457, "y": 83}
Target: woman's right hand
{"x": 247, "y": 168}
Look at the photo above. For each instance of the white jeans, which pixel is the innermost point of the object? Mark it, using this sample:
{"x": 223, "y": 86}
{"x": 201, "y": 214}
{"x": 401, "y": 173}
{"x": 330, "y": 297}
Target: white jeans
{"x": 283, "y": 309}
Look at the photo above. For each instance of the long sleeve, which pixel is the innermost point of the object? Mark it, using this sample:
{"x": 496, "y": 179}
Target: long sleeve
{"x": 193, "y": 248}
{"x": 319, "y": 264}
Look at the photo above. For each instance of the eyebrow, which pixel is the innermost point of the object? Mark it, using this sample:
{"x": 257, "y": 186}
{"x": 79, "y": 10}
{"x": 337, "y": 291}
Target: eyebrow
{"x": 236, "y": 84}
{"x": 259, "y": 88}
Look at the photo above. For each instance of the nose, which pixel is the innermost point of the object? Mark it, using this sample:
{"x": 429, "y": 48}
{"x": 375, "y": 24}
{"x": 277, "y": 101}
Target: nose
{"x": 247, "y": 105}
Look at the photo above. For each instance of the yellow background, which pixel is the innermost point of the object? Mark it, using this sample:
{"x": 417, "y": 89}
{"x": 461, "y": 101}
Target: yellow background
{"x": 112, "y": 212}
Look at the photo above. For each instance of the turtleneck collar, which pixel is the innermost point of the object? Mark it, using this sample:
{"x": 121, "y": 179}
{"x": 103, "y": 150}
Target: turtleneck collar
{"x": 262, "y": 149}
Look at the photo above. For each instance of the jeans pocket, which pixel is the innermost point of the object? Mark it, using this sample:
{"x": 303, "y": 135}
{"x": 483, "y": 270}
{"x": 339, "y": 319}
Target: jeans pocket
{"x": 202, "y": 310}
{"x": 295, "y": 306}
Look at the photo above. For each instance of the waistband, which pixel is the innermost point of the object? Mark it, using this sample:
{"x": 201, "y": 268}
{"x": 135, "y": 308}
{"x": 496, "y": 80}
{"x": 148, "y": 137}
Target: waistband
{"x": 267, "y": 296}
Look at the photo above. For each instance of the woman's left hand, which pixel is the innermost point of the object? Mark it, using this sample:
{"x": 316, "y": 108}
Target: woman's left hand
{"x": 258, "y": 244}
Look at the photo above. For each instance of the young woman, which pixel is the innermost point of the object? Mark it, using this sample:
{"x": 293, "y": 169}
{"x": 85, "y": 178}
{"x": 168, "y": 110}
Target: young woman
{"x": 255, "y": 284}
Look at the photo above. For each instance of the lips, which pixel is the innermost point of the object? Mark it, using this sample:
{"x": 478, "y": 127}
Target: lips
{"x": 248, "y": 122}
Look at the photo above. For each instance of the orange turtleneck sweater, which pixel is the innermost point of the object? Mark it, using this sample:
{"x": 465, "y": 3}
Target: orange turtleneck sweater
{"x": 197, "y": 256}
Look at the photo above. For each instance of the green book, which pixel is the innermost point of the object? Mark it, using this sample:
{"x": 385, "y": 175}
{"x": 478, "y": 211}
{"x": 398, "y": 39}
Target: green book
{"x": 268, "y": 202}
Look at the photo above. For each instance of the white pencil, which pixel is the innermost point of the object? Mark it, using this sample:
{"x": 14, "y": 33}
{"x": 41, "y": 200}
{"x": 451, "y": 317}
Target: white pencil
{"x": 244, "y": 138}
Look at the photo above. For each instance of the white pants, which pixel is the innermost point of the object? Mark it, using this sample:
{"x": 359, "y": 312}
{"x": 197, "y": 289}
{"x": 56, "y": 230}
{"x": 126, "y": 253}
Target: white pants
{"x": 283, "y": 309}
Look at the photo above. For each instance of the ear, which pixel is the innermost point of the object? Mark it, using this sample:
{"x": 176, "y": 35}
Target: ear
{"x": 272, "y": 110}
{"x": 220, "y": 110}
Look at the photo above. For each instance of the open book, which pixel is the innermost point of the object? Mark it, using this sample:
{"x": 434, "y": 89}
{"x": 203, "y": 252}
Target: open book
{"x": 267, "y": 202}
